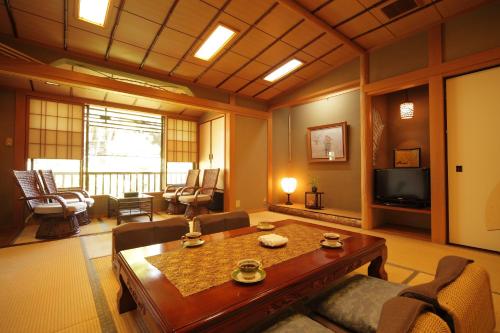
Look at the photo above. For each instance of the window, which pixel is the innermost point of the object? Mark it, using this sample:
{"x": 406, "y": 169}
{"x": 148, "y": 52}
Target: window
{"x": 124, "y": 151}
{"x": 182, "y": 147}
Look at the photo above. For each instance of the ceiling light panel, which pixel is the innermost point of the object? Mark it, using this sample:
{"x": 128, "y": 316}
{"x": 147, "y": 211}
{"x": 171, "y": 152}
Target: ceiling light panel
{"x": 215, "y": 42}
{"x": 93, "y": 11}
{"x": 283, "y": 70}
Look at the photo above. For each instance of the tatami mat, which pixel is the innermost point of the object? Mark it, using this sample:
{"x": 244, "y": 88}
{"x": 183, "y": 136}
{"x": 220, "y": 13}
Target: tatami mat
{"x": 45, "y": 288}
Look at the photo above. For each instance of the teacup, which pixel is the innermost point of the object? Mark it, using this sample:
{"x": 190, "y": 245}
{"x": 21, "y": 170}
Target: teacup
{"x": 248, "y": 268}
{"x": 331, "y": 237}
{"x": 191, "y": 237}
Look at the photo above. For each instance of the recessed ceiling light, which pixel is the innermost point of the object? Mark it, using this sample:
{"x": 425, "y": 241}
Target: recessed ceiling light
{"x": 283, "y": 70}
{"x": 51, "y": 83}
{"x": 215, "y": 42}
{"x": 93, "y": 11}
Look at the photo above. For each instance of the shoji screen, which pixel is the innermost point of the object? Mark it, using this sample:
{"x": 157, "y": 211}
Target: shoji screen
{"x": 55, "y": 130}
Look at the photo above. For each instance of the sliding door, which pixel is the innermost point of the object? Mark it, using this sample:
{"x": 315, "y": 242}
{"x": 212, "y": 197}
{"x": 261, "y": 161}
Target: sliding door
{"x": 473, "y": 120}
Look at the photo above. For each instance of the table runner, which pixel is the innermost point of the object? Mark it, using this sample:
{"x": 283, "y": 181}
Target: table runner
{"x": 192, "y": 270}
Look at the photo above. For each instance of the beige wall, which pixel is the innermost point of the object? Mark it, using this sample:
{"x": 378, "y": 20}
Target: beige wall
{"x": 403, "y": 133}
{"x": 250, "y": 163}
{"x": 400, "y": 57}
{"x": 341, "y": 181}
{"x": 7, "y": 119}
{"x": 472, "y": 32}
{"x": 342, "y": 74}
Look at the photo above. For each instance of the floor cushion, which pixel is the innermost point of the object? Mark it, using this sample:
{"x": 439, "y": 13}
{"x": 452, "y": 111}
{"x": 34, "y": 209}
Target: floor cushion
{"x": 297, "y": 323}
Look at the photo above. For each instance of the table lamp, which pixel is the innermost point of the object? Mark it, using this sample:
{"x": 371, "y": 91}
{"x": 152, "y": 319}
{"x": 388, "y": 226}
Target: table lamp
{"x": 288, "y": 184}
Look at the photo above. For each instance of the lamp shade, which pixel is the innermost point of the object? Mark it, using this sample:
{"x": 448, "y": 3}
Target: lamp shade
{"x": 289, "y": 184}
{"x": 406, "y": 110}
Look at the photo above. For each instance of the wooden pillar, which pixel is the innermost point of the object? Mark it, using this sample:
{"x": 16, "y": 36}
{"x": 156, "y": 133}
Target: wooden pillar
{"x": 270, "y": 158}
{"x": 366, "y": 146}
{"x": 229, "y": 189}
{"x": 20, "y": 152}
{"x": 437, "y": 139}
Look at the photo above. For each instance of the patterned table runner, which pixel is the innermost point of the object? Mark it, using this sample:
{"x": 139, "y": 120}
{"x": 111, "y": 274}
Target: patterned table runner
{"x": 192, "y": 270}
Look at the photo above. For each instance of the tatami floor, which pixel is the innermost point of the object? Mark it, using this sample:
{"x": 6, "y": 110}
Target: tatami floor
{"x": 68, "y": 285}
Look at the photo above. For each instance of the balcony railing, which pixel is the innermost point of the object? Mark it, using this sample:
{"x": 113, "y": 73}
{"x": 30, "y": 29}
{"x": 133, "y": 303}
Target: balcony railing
{"x": 115, "y": 183}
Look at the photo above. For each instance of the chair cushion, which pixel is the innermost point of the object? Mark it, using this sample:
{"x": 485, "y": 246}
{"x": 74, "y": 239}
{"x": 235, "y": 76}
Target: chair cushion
{"x": 190, "y": 198}
{"x": 297, "y": 323}
{"x": 56, "y": 208}
{"x": 357, "y": 302}
{"x": 89, "y": 201}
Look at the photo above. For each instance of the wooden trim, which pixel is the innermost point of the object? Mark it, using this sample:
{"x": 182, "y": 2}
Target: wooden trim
{"x": 48, "y": 73}
{"x": 402, "y": 209}
{"x": 115, "y": 25}
{"x": 299, "y": 9}
{"x": 230, "y": 140}
{"x": 12, "y": 21}
{"x": 270, "y": 159}
{"x": 366, "y": 146}
{"x": 437, "y": 140}
{"x": 421, "y": 76}
{"x": 80, "y": 100}
{"x": 319, "y": 95}
{"x": 20, "y": 152}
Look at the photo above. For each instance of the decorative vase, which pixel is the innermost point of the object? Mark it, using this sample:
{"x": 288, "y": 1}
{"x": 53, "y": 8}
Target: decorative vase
{"x": 314, "y": 189}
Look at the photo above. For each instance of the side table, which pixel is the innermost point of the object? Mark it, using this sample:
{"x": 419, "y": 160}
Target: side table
{"x": 140, "y": 205}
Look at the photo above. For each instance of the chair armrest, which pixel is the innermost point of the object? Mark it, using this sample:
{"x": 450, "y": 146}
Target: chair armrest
{"x": 71, "y": 194}
{"x": 76, "y": 189}
{"x": 184, "y": 189}
{"x": 55, "y": 197}
{"x": 171, "y": 188}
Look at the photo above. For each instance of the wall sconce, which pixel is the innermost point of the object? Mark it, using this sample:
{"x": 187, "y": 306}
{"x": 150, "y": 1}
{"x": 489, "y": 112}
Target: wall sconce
{"x": 406, "y": 108}
{"x": 289, "y": 185}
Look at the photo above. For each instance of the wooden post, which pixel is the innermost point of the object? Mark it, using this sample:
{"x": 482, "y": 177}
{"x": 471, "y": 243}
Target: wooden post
{"x": 366, "y": 146}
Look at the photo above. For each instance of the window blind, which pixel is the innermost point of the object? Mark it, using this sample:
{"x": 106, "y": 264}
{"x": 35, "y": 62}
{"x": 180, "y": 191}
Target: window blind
{"x": 55, "y": 130}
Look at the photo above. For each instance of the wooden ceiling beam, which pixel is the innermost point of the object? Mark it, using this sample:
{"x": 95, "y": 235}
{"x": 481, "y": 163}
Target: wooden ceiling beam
{"x": 113, "y": 31}
{"x": 302, "y": 11}
{"x": 65, "y": 31}
{"x": 44, "y": 73}
{"x": 13, "y": 25}
{"x": 162, "y": 27}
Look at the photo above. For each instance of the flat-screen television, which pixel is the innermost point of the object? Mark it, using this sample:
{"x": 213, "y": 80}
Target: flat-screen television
{"x": 407, "y": 187}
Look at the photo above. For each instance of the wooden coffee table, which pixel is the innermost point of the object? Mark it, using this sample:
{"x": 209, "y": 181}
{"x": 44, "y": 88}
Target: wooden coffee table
{"x": 231, "y": 307}
{"x": 140, "y": 205}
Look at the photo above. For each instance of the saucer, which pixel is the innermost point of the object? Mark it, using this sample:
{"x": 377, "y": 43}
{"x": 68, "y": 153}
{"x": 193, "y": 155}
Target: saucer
{"x": 266, "y": 227}
{"x": 337, "y": 245}
{"x": 237, "y": 276}
{"x": 190, "y": 244}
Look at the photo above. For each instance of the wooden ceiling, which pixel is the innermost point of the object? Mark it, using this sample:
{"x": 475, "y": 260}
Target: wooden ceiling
{"x": 161, "y": 36}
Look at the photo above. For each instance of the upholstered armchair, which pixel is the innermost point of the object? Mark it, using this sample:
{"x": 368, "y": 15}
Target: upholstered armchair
{"x": 70, "y": 194}
{"x": 57, "y": 217}
{"x": 172, "y": 192}
{"x": 198, "y": 202}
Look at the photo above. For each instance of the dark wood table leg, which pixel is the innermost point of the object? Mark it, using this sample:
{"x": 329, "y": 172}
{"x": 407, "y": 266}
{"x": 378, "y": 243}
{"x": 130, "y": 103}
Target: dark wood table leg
{"x": 377, "y": 266}
{"x": 125, "y": 300}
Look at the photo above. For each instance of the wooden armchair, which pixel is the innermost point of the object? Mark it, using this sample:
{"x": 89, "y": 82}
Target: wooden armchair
{"x": 57, "y": 217}
{"x": 71, "y": 194}
{"x": 172, "y": 192}
{"x": 198, "y": 202}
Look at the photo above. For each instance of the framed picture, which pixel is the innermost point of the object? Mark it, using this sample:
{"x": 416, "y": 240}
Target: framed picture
{"x": 407, "y": 158}
{"x": 327, "y": 143}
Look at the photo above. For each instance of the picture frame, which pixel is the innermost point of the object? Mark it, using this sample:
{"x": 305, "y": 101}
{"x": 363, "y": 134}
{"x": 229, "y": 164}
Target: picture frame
{"x": 407, "y": 158}
{"x": 327, "y": 143}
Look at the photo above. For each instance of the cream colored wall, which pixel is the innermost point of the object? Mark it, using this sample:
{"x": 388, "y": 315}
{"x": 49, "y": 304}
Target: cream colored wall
{"x": 342, "y": 74}
{"x": 250, "y": 163}
{"x": 7, "y": 123}
{"x": 341, "y": 181}
{"x": 400, "y": 57}
{"x": 472, "y": 32}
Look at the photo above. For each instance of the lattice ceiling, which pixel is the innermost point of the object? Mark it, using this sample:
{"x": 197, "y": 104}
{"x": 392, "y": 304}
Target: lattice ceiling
{"x": 161, "y": 36}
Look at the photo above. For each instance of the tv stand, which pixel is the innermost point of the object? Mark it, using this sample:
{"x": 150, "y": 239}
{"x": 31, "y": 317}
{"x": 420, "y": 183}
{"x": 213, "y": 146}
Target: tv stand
{"x": 399, "y": 208}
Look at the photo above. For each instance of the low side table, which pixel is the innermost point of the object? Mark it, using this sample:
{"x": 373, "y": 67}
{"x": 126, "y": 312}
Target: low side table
{"x": 314, "y": 200}
{"x": 140, "y": 205}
